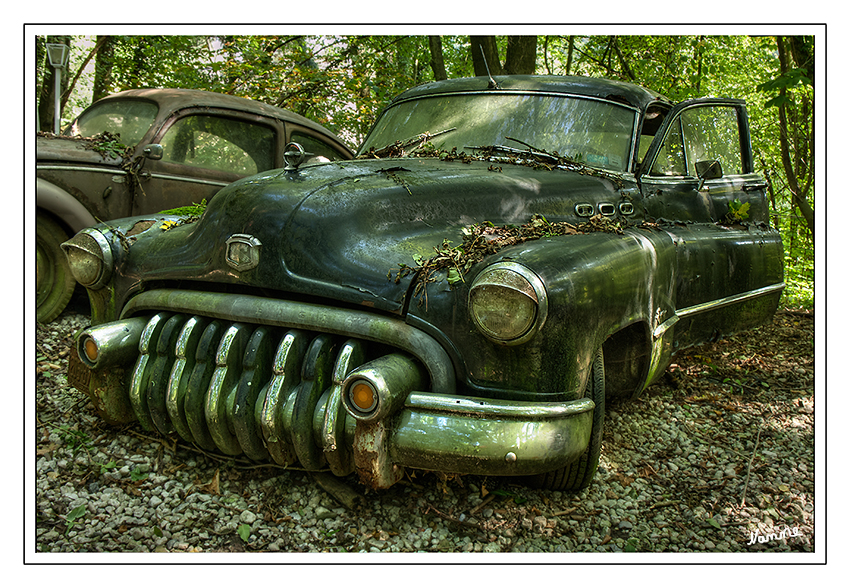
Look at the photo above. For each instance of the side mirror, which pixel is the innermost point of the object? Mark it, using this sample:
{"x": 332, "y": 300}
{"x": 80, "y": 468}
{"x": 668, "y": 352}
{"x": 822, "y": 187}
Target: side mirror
{"x": 708, "y": 170}
{"x": 153, "y": 151}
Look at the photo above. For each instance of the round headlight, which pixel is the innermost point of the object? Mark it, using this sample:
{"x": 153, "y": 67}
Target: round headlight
{"x": 89, "y": 257}
{"x": 508, "y": 303}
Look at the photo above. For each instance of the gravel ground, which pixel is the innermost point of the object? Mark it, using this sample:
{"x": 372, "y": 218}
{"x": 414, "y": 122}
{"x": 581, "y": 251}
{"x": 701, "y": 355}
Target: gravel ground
{"x": 718, "y": 457}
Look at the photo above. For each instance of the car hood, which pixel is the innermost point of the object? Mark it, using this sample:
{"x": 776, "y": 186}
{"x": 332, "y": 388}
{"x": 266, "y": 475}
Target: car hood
{"x": 70, "y": 150}
{"x": 338, "y": 230}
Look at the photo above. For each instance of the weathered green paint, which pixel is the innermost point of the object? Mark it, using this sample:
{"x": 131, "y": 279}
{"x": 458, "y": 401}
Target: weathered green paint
{"x": 673, "y": 270}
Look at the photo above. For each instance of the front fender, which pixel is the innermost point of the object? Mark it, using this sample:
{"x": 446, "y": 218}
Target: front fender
{"x": 597, "y": 285}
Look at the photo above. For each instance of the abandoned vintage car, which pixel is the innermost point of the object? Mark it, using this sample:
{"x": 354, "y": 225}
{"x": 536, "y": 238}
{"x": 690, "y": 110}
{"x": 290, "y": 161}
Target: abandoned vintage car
{"x": 503, "y": 257}
{"x": 143, "y": 151}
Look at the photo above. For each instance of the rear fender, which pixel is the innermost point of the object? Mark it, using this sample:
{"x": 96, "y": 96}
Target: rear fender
{"x": 64, "y": 206}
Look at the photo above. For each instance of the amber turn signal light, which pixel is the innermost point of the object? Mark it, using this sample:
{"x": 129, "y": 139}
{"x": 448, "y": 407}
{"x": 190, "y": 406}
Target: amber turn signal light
{"x": 363, "y": 396}
{"x": 91, "y": 350}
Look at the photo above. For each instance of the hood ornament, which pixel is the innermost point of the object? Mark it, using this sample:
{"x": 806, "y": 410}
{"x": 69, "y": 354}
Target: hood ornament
{"x": 242, "y": 252}
{"x": 294, "y": 155}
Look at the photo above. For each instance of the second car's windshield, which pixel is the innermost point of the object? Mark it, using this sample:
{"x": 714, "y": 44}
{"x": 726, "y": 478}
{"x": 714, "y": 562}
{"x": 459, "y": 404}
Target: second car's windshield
{"x": 130, "y": 119}
{"x": 594, "y": 132}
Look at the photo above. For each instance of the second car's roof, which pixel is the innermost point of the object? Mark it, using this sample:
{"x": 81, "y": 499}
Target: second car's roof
{"x": 617, "y": 91}
{"x": 175, "y": 98}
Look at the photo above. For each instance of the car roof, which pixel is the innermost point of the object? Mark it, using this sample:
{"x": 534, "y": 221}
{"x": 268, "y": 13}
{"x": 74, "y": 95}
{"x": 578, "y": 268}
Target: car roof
{"x": 623, "y": 92}
{"x": 172, "y": 99}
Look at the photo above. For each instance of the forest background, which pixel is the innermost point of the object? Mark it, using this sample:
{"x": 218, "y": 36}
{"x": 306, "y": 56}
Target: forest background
{"x": 343, "y": 82}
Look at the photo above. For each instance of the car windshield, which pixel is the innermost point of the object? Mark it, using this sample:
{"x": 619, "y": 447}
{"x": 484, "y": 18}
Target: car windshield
{"x": 130, "y": 119}
{"x": 594, "y": 132}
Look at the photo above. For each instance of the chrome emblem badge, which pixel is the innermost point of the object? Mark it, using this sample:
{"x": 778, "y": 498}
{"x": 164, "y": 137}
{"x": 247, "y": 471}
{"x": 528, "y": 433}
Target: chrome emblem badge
{"x": 243, "y": 252}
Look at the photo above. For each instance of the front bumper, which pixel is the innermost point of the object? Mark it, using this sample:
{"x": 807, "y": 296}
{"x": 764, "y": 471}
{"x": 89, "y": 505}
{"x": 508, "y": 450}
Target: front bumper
{"x": 270, "y": 379}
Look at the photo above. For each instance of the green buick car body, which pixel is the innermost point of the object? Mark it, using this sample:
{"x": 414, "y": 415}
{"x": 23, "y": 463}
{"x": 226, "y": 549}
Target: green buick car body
{"x": 503, "y": 256}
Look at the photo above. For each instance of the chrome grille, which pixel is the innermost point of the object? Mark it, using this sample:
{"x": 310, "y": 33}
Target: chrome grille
{"x": 270, "y": 393}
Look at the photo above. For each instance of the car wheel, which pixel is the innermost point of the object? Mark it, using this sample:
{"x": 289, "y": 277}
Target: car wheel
{"x": 578, "y": 474}
{"x": 54, "y": 282}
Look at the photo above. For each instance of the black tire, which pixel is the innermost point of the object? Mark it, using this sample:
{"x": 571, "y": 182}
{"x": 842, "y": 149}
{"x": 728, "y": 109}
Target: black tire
{"x": 579, "y": 474}
{"x": 54, "y": 282}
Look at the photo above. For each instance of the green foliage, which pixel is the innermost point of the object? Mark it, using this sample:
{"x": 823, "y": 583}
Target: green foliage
{"x": 193, "y": 210}
{"x": 714, "y": 523}
{"x": 738, "y": 211}
{"x": 795, "y": 78}
{"x": 76, "y": 440}
{"x": 72, "y": 517}
{"x": 517, "y": 498}
{"x": 631, "y": 545}
{"x": 138, "y": 475}
{"x": 799, "y": 281}
{"x": 244, "y": 532}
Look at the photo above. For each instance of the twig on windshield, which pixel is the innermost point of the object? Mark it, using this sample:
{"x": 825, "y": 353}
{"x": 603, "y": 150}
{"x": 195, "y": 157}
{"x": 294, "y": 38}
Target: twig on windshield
{"x": 403, "y": 148}
{"x": 532, "y": 147}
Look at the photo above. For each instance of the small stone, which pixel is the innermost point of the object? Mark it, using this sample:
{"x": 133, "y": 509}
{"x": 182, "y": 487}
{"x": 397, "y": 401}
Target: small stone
{"x": 323, "y": 513}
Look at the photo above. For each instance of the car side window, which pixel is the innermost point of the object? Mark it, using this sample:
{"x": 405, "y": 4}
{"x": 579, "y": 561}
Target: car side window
{"x": 319, "y": 149}
{"x": 671, "y": 157}
{"x": 711, "y": 132}
{"x": 129, "y": 119}
{"x": 219, "y": 143}
{"x": 704, "y": 133}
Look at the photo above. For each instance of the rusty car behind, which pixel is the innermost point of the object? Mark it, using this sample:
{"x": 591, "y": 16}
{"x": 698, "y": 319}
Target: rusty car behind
{"x": 143, "y": 151}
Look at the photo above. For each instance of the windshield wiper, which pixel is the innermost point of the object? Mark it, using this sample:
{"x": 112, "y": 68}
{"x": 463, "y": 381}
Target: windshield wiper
{"x": 531, "y": 151}
{"x": 406, "y": 147}
{"x": 514, "y": 151}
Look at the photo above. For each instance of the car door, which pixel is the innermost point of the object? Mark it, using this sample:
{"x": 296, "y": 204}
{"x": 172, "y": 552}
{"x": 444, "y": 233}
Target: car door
{"x": 698, "y": 180}
{"x": 201, "y": 152}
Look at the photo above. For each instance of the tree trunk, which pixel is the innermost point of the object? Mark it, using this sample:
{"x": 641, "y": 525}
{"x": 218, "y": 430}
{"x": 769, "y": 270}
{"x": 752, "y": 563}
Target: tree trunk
{"x": 137, "y": 62}
{"x": 698, "y": 50}
{"x": 438, "y": 65}
{"x": 570, "y": 49}
{"x": 69, "y": 87}
{"x": 103, "y": 68}
{"x": 622, "y": 59}
{"x": 798, "y": 193}
{"x": 521, "y": 55}
{"x": 487, "y": 45}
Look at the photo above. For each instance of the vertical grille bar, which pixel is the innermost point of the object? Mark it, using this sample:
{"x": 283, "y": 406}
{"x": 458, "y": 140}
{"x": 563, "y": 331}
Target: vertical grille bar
{"x": 199, "y": 382}
{"x": 178, "y": 382}
{"x": 286, "y": 371}
{"x": 218, "y": 409}
{"x": 142, "y": 370}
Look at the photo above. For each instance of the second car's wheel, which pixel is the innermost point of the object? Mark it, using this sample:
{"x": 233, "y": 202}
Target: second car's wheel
{"x": 54, "y": 282}
{"x": 578, "y": 474}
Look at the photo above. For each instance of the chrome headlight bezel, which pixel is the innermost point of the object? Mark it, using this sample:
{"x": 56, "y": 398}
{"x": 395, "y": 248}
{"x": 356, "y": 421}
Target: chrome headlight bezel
{"x": 90, "y": 259}
{"x": 508, "y": 284}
